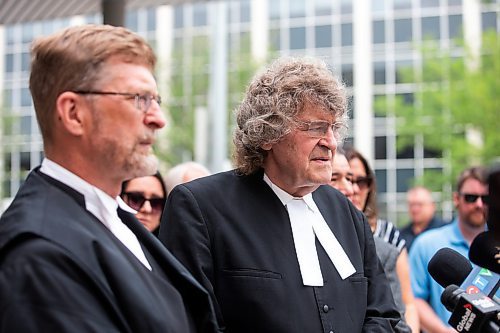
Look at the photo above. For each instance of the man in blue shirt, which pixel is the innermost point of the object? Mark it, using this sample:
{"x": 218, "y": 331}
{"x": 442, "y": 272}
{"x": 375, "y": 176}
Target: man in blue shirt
{"x": 470, "y": 202}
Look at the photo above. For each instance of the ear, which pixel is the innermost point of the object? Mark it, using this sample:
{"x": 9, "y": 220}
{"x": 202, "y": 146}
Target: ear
{"x": 71, "y": 112}
{"x": 455, "y": 199}
{"x": 266, "y": 146}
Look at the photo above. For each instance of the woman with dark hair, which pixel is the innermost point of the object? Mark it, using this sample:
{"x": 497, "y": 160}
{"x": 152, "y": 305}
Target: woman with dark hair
{"x": 364, "y": 198}
{"x": 146, "y": 195}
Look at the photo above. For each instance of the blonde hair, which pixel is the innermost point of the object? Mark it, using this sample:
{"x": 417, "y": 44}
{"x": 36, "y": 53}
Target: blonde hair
{"x": 72, "y": 59}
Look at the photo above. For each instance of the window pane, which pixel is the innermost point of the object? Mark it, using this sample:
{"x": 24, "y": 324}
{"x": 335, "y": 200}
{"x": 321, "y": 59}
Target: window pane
{"x": 199, "y": 15}
{"x": 274, "y": 39}
{"x": 25, "y": 61}
{"x": 347, "y": 75}
{"x": 297, "y": 8}
{"x": 152, "y": 19}
{"x": 406, "y": 98}
{"x": 25, "y": 97}
{"x": 9, "y": 63}
{"x": 379, "y": 72}
{"x": 407, "y": 151}
{"x": 380, "y": 147}
{"x": 455, "y": 26}
{"x": 323, "y": 36}
{"x": 402, "y": 4}
{"x": 346, "y": 34}
{"x": 131, "y": 20}
{"x": 274, "y": 9}
{"x": 430, "y": 28}
{"x": 404, "y": 178}
{"x": 25, "y": 161}
{"x": 378, "y": 6}
{"x": 402, "y": 30}
{"x": 381, "y": 176}
{"x": 404, "y": 71}
{"x": 323, "y": 7}
{"x": 245, "y": 11}
{"x": 429, "y": 3}
{"x": 489, "y": 21}
{"x": 346, "y": 6}
{"x": 178, "y": 16}
{"x": 26, "y": 125}
{"x": 378, "y": 32}
{"x": 297, "y": 38}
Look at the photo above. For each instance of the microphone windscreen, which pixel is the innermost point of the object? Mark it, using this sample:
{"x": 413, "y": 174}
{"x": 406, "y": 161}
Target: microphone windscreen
{"x": 448, "y": 267}
{"x": 485, "y": 251}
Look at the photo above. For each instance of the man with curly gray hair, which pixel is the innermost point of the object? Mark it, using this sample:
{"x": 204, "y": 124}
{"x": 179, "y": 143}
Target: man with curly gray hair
{"x": 278, "y": 250}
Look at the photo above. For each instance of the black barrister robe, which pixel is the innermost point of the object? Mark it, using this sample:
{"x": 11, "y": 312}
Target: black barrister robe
{"x": 233, "y": 233}
{"x": 62, "y": 270}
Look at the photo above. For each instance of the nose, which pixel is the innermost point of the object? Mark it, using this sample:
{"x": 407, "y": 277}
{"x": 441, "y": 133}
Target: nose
{"x": 146, "y": 207}
{"x": 155, "y": 116}
{"x": 329, "y": 140}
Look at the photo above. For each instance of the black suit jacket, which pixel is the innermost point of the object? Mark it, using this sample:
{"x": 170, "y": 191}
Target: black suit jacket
{"x": 233, "y": 233}
{"x": 62, "y": 270}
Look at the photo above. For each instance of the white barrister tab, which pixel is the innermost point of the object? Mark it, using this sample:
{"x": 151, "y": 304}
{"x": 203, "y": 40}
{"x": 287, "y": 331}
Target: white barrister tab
{"x": 305, "y": 244}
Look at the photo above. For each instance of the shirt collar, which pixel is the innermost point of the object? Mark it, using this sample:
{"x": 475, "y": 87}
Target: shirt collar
{"x": 286, "y": 197}
{"x": 99, "y": 203}
{"x": 456, "y": 236}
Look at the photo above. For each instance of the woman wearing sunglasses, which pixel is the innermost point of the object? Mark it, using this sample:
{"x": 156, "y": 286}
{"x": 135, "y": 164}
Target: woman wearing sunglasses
{"x": 147, "y": 196}
{"x": 364, "y": 198}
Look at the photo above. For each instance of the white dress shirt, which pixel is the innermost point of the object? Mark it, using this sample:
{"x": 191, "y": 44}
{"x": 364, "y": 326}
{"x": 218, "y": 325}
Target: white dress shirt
{"x": 101, "y": 205}
{"x": 308, "y": 224}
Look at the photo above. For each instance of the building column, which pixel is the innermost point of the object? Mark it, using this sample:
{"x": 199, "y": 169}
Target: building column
{"x": 363, "y": 79}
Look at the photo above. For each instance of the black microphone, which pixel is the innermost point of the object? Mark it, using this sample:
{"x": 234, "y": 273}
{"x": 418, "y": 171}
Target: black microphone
{"x": 485, "y": 251}
{"x": 448, "y": 266}
{"x": 474, "y": 313}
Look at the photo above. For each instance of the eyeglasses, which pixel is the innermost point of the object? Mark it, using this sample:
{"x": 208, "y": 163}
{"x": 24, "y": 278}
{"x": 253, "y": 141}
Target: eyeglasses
{"x": 142, "y": 102}
{"x": 471, "y": 198}
{"x": 319, "y": 128}
{"x": 136, "y": 200}
{"x": 362, "y": 182}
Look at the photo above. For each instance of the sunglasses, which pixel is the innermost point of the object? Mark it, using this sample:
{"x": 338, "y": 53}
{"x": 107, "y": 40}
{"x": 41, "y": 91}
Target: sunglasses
{"x": 471, "y": 198}
{"x": 136, "y": 200}
{"x": 362, "y": 182}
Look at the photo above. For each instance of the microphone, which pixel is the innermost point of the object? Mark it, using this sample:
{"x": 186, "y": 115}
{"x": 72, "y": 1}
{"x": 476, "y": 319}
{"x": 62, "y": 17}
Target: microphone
{"x": 448, "y": 266}
{"x": 485, "y": 251}
{"x": 474, "y": 313}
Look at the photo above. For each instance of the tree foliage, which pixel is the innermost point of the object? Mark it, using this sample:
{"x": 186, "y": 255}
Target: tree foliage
{"x": 456, "y": 109}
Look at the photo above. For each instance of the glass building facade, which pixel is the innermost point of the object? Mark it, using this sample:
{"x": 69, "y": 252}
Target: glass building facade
{"x": 369, "y": 43}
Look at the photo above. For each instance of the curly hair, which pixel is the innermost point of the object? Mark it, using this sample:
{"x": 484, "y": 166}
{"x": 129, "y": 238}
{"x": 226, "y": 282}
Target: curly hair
{"x": 273, "y": 100}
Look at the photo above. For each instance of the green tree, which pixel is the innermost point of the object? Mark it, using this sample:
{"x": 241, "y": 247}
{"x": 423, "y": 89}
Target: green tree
{"x": 456, "y": 108}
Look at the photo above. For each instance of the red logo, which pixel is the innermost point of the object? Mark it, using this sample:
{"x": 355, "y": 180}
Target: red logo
{"x": 472, "y": 290}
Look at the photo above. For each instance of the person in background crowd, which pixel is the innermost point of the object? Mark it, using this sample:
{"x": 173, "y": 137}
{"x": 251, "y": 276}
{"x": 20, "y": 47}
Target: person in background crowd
{"x": 341, "y": 174}
{"x": 364, "y": 198}
{"x": 183, "y": 173}
{"x": 146, "y": 195}
{"x": 279, "y": 249}
{"x": 470, "y": 199}
{"x": 72, "y": 259}
{"x": 387, "y": 253}
{"x": 422, "y": 212}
